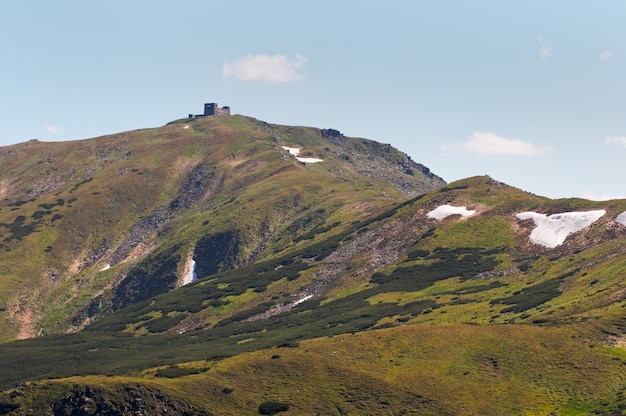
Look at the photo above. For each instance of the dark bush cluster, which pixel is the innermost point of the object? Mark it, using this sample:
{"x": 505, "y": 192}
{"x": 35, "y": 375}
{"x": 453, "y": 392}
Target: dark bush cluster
{"x": 174, "y": 371}
{"x": 272, "y": 407}
{"x": 533, "y": 296}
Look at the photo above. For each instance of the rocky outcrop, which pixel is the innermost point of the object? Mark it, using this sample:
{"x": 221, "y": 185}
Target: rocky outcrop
{"x": 330, "y": 133}
{"x": 367, "y": 253}
{"x": 193, "y": 188}
{"x": 383, "y": 161}
{"x": 131, "y": 399}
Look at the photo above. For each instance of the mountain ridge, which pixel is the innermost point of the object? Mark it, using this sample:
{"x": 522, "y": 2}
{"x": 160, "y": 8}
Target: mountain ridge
{"x": 330, "y": 287}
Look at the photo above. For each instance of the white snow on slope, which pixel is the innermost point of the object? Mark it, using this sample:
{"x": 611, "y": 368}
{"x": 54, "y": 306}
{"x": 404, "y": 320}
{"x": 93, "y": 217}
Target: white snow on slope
{"x": 551, "y": 231}
{"x": 191, "y": 273}
{"x": 309, "y": 159}
{"x": 301, "y": 300}
{"x": 295, "y": 152}
{"x": 444, "y": 211}
{"x": 621, "y": 218}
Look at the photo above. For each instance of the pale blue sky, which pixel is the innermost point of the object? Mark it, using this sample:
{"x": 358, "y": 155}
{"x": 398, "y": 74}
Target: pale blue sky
{"x": 532, "y": 93}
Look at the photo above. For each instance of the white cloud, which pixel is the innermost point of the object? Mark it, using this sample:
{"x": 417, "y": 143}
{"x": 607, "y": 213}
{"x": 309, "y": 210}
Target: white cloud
{"x": 619, "y": 140}
{"x": 266, "y": 68}
{"x": 544, "y": 50}
{"x": 53, "y": 129}
{"x": 592, "y": 196}
{"x": 606, "y": 55}
{"x": 487, "y": 143}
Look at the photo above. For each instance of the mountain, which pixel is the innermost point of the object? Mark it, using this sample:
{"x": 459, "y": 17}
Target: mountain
{"x": 358, "y": 284}
{"x": 102, "y": 223}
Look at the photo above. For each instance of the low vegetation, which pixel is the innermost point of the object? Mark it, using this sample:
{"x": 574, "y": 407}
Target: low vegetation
{"x": 322, "y": 289}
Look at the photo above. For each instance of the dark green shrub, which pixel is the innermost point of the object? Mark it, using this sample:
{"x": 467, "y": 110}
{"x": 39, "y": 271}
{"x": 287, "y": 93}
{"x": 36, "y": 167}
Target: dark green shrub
{"x": 174, "y": 371}
{"x": 416, "y": 254}
{"x": 533, "y": 296}
{"x": 40, "y": 214}
{"x": 272, "y": 407}
{"x": 452, "y": 188}
{"x": 18, "y": 229}
{"x": 80, "y": 183}
{"x": 6, "y": 408}
{"x": 60, "y": 202}
{"x": 163, "y": 323}
{"x": 288, "y": 345}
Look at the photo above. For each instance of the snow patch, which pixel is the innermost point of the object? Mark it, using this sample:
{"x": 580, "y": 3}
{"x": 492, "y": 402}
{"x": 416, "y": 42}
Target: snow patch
{"x": 299, "y": 301}
{"x": 309, "y": 159}
{"x": 551, "y": 231}
{"x": 444, "y": 211}
{"x": 292, "y": 150}
{"x": 295, "y": 152}
{"x": 107, "y": 267}
{"x": 191, "y": 273}
{"x": 621, "y": 218}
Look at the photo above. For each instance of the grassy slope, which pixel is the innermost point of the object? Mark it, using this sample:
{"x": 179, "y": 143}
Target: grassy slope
{"x": 67, "y": 206}
{"x": 447, "y": 369}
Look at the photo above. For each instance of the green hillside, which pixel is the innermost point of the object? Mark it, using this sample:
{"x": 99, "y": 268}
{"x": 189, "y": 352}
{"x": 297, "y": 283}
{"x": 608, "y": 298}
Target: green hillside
{"x": 70, "y": 210}
{"x": 413, "y": 369}
{"x": 325, "y": 288}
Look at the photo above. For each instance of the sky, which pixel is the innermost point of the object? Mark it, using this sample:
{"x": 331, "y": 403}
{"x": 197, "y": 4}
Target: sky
{"x": 531, "y": 93}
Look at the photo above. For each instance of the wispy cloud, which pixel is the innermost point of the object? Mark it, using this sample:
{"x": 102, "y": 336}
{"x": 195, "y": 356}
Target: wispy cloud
{"x": 53, "y": 129}
{"x": 486, "y": 143}
{"x": 544, "y": 49}
{"x": 606, "y": 55}
{"x": 602, "y": 197}
{"x": 618, "y": 140}
{"x": 266, "y": 68}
